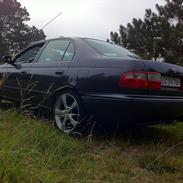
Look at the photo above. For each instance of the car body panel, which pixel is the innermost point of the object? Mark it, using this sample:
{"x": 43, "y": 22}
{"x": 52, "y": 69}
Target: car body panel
{"x": 130, "y": 109}
{"x": 16, "y": 79}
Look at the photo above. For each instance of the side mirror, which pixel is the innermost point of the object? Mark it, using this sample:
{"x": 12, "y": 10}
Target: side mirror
{"x": 7, "y": 59}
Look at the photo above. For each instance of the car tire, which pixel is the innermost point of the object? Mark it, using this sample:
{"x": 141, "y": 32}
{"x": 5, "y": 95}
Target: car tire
{"x": 68, "y": 113}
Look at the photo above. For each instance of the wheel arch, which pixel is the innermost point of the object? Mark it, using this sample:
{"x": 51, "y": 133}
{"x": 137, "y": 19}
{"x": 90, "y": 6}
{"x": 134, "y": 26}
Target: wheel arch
{"x": 65, "y": 88}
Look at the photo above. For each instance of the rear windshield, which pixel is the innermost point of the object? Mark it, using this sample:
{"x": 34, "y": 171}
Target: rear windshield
{"x": 111, "y": 50}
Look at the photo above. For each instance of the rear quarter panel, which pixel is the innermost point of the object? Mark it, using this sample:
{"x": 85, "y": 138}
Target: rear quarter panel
{"x": 91, "y": 72}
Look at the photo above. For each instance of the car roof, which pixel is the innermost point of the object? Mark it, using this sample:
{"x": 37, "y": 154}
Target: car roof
{"x": 81, "y": 38}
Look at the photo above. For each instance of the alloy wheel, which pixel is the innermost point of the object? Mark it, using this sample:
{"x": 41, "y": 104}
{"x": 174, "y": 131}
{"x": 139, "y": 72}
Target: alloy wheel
{"x": 67, "y": 113}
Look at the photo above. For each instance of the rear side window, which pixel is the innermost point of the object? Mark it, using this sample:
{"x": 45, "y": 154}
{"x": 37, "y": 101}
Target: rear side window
{"x": 111, "y": 50}
{"x": 69, "y": 54}
{"x": 54, "y": 51}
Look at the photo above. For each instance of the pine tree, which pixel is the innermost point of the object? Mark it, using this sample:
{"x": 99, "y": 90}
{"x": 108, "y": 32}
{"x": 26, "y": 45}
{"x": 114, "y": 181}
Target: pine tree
{"x": 173, "y": 13}
{"x": 15, "y": 34}
{"x": 158, "y": 34}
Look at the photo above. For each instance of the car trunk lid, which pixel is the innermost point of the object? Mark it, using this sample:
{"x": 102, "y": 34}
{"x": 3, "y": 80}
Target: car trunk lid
{"x": 171, "y": 78}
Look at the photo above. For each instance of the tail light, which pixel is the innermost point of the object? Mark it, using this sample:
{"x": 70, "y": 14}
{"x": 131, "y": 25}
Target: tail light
{"x": 154, "y": 80}
{"x": 138, "y": 79}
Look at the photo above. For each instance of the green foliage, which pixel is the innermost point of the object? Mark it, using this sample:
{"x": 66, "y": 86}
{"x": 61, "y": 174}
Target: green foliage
{"x": 15, "y": 34}
{"x": 157, "y": 35}
{"x": 163, "y": 165}
{"x": 35, "y": 151}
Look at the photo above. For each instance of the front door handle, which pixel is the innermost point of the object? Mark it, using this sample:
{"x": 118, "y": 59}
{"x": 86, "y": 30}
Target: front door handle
{"x": 59, "y": 73}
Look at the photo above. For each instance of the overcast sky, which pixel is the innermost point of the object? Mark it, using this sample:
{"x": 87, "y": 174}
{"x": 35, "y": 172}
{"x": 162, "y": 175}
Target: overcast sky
{"x": 85, "y": 18}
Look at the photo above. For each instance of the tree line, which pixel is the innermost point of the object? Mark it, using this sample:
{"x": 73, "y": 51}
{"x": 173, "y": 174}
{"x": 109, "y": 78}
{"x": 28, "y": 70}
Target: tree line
{"x": 158, "y": 35}
{"x": 15, "y": 33}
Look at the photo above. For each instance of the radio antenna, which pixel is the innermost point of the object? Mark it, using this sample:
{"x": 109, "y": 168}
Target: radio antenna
{"x": 51, "y": 20}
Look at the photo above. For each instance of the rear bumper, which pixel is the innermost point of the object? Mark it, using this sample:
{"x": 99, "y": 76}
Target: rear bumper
{"x": 134, "y": 108}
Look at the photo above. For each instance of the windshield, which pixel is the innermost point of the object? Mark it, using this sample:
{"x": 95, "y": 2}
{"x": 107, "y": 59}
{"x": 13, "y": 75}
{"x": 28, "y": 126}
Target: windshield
{"x": 111, "y": 50}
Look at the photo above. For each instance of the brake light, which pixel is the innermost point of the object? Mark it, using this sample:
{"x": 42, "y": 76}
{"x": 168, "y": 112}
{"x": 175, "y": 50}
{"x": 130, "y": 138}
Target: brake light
{"x": 140, "y": 79}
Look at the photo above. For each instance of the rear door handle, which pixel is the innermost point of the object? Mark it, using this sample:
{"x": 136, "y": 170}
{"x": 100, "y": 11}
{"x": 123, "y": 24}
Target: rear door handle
{"x": 23, "y": 72}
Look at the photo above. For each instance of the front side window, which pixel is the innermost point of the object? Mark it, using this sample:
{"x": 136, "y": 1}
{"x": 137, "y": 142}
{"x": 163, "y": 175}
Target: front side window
{"x": 30, "y": 54}
{"x": 54, "y": 51}
{"x": 111, "y": 50}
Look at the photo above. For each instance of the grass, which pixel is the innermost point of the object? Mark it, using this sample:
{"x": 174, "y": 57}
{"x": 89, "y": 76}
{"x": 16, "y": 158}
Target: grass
{"x": 35, "y": 151}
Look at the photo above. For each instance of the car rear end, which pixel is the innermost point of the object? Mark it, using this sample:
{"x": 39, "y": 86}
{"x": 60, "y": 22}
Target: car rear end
{"x": 131, "y": 89}
{"x": 164, "y": 99}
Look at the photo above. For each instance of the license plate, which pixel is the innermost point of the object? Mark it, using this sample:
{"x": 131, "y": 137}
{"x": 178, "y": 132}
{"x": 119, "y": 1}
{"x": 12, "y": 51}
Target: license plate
{"x": 170, "y": 82}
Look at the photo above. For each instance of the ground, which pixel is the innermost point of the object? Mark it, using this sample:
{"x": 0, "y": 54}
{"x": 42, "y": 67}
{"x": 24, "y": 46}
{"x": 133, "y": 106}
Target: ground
{"x": 35, "y": 151}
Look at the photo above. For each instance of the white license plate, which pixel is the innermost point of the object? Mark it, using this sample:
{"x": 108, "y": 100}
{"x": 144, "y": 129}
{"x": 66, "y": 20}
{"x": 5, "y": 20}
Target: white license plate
{"x": 170, "y": 82}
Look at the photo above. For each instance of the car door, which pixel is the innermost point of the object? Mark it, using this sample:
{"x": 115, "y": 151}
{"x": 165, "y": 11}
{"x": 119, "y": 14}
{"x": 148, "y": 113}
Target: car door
{"x": 51, "y": 70}
{"x": 15, "y": 79}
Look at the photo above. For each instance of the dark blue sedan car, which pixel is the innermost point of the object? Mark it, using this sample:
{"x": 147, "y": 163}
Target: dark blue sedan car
{"x": 74, "y": 78}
